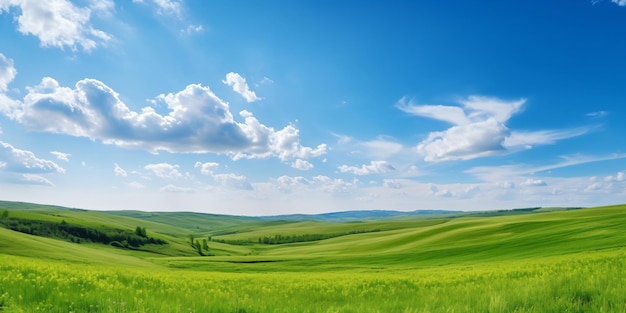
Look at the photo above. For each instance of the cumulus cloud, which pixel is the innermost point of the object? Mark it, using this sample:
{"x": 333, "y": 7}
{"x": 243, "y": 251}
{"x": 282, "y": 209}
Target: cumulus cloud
{"x": 375, "y": 167}
{"x": 119, "y": 171}
{"x": 479, "y": 129}
{"x": 240, "y": 86}
{"x": 23, "y": 161}
{"x": 61, "y": 156}
{"x": 24, "y": 167}
{"x": 198, "y": 122}
{"x": 207, "y": 168}
{"x": 302, "y": 165}
{"x": 57, "y": 23}
{"x": 164, "y": 170}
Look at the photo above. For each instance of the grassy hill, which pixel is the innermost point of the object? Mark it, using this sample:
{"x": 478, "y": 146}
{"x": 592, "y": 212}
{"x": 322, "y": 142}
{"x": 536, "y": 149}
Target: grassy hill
{"x": 408, "y": 241}
{"x": 531, "y": 260}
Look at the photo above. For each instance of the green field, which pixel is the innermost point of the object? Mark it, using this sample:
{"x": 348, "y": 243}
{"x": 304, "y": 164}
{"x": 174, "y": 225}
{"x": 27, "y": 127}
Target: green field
{"x": 546, "y": 260}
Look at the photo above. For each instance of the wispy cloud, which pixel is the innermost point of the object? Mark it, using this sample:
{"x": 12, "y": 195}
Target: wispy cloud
{"x": 506, "y": 172}
{"x": 61, "y": 156}
{"x": 598, "y": 113}
{"x": 479, "y": 129}
{"x": 119, "y": 171}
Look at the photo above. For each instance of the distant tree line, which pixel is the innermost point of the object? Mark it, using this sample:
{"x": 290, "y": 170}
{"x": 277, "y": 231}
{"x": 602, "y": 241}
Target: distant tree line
{"x": 282, "y": 239}
{"x": 80, "y": 234}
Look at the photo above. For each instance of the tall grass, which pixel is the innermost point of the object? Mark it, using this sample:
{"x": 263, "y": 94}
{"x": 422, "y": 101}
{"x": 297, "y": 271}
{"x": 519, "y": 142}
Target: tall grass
{"x": 584, "y": 282}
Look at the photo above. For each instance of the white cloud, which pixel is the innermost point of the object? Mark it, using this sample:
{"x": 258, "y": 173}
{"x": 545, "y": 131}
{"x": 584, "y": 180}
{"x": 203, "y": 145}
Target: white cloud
{"x": 164, "y": 170}
{"x": 119, "y": 171}
{"x": 207, "y": 168}
{"x": 19, "y": 166}
{"x": 392, "y": 183}
{"x": 618, "y": 177}
{"x": 334, "y": 185}
{"x": 506, "y": 172}
{"x": 233, "y": 181}
{"x": 598, "y": 113}
{"x": 172, "y": 7}
{"x": 375, "y": 167}
{"x": 135, "y": 185}
{"x": 7, "y": 73}
{"x": 23, "y": 161}
{"x": 240, "y": 86}
{"x": 61, "y": 156}
{"x": 534, "y": 183}
{"x": 102, "y": 7}
{"x": 621, "y": 3}
{"x": 57, "y": 23}
{"x": 198, "y": 122}
{"x": 302, "y": 165}
{"x": 453, "y": 115}
{"x": 32, "y": 179}
{"x": 506, "y": 185}
{"x": 594, "y": 187}
{"x": 479, "y": 129}
{"x": 176, "y": 189}
{"x": 382, "y": 148}
{"x": 542, "y": 137}
{"x": 436, "y": 191}
{"x": 192, "y": 29}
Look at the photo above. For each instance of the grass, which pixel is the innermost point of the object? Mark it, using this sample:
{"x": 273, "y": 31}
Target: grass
{"x": 553, "y": 260}
{"x": 578, "y": 283}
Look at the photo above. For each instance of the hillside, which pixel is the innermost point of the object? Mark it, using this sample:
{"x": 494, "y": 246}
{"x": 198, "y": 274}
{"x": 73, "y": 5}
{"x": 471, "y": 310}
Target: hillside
{"x": 252, "y": 243}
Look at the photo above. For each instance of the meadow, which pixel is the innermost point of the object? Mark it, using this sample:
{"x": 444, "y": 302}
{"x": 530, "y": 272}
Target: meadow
{"x": 561, "y": 261}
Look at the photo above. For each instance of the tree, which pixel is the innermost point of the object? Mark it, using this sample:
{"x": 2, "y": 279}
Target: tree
{"x": 205, "y": 245}
{"x": 141, "y": 232}
{"x": 5, "y": 215}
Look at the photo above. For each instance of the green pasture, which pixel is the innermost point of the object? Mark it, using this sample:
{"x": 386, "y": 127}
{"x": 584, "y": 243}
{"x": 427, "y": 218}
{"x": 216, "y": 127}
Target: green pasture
{"x": 543, "y": 260}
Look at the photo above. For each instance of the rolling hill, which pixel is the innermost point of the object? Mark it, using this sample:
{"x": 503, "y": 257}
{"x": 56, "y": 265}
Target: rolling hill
{"x": 333, "y": 241}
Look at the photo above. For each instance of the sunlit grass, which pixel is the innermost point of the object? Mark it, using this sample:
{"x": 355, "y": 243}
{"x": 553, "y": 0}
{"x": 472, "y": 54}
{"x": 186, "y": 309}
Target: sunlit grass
{"x": 585, "y": 282}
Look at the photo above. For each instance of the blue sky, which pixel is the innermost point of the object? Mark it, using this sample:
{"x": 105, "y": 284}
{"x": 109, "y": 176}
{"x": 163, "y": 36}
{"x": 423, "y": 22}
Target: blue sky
{"x": 274, "y": 107}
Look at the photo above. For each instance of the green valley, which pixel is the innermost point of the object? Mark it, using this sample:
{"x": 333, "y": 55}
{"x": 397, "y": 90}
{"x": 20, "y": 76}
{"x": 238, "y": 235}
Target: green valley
{"x": 532, "y": 260}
